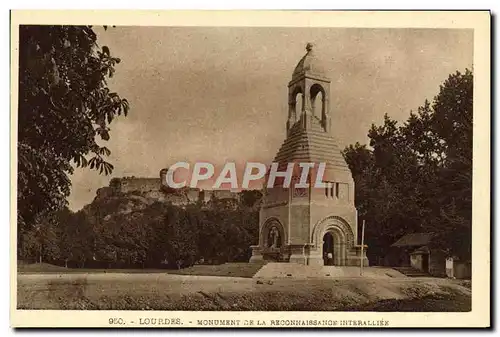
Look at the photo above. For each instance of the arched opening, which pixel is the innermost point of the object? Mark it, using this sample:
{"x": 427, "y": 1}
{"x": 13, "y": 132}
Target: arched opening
{"x": 318, "y": 101}
{"x": 328, "y": 257}
{"x": 334, "y": 246}
{"x": 272, "y": 240}
{"x": 299, "y": 104}
{"x": 343, "y": 237}
{"x": 295, "y": 105}
{"x": 272, "y": 235}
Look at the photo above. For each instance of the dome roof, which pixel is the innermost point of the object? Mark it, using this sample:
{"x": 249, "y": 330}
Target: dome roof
{"x": 310, "y": 64}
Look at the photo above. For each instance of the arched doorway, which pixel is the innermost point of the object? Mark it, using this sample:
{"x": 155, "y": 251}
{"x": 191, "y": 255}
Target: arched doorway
{"x": 336, "y": 229}
{"x": 328, "y": 257}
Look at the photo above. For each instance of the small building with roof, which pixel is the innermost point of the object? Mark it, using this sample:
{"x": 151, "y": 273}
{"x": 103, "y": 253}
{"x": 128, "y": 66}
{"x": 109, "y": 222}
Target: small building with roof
{"x": 414, "y": 254}
{"x": 412, "y": 251}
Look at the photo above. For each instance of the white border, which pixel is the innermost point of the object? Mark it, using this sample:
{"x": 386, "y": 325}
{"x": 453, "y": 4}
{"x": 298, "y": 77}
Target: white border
{"x": 481, "y": 143}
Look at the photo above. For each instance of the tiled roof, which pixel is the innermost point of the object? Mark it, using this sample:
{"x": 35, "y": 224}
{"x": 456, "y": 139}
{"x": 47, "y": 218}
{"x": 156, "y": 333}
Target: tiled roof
{"x": 415, "y": 239}
{"x": 311, "y": 145}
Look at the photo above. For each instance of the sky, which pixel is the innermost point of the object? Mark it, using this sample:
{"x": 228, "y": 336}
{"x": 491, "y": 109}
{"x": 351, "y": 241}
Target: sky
{"x": 220, "y": 94}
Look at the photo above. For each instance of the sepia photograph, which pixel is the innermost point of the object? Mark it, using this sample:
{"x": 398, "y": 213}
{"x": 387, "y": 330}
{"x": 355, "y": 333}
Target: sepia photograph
{"x": 266, "y": 169}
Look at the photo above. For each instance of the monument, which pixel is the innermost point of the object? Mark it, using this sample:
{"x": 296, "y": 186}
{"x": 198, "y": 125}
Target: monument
{"x": 310, "y": 226}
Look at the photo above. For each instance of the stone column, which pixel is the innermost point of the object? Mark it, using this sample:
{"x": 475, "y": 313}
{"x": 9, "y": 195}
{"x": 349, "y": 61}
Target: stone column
{"x": 327, "y": 122}
{"x": 307, "y": 97}
{"x": 292, "y": 113}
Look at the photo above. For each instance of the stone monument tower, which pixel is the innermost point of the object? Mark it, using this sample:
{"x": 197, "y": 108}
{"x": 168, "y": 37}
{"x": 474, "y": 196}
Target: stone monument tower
{"x": 312, "y": 226}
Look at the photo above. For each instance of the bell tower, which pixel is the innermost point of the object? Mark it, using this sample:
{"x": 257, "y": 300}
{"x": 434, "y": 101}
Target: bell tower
{"x": 313, "y": 225}
{"x": 308, "y": 93}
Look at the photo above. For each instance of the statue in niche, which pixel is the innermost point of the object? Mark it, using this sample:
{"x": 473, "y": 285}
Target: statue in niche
{"x": 274, "y": 238}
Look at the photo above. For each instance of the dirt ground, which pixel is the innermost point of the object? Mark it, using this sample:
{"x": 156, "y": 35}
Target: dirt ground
{"x": 158, "y": 291}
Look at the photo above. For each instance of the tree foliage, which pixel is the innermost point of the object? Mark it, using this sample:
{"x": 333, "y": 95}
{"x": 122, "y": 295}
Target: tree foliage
{"x": 417, "y": 177}
{"x": 65, "y": 108}
{"x": 127, "y": 231}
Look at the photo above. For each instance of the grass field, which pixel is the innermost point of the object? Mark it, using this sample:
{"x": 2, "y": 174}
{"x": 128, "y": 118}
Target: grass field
{"x": 226, "y": 269}
{"x": 119, "y": 290}
{"x": 46, "y": 268}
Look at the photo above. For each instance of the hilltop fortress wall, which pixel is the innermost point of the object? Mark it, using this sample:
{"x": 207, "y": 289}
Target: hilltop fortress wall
{"x": 154, "y": 189}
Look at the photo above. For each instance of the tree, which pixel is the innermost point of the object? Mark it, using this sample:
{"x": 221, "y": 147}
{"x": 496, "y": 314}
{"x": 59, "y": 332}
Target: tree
{"x": 76, "y": 237}
{"x": 417, "y": 177}
{"x": 453, "y": 124}
{"x": 250, "y": 198}
{"x": 181, "y": 227}
{"x": 41, "y": 241}
{"x": 65, "y": 107}
{"x": 361, "y": 163}
{"x": 211, "y": 236}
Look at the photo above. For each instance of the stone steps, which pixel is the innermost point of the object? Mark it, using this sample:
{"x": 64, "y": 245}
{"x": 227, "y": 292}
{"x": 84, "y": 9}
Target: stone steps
{"x": 277, "y": 270}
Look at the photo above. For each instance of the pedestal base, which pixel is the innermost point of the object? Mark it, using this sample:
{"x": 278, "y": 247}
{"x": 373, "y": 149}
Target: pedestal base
{"x": 356, "y": 261}
{"x": 256, "y": 255}
{"x": 360, "y": 256}
{"x": 306, "y": 255}
{"x": 315, "y": 260}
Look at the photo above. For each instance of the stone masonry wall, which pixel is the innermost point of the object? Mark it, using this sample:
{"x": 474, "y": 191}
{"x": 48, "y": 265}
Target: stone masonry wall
{"x": 130, "y": 184}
